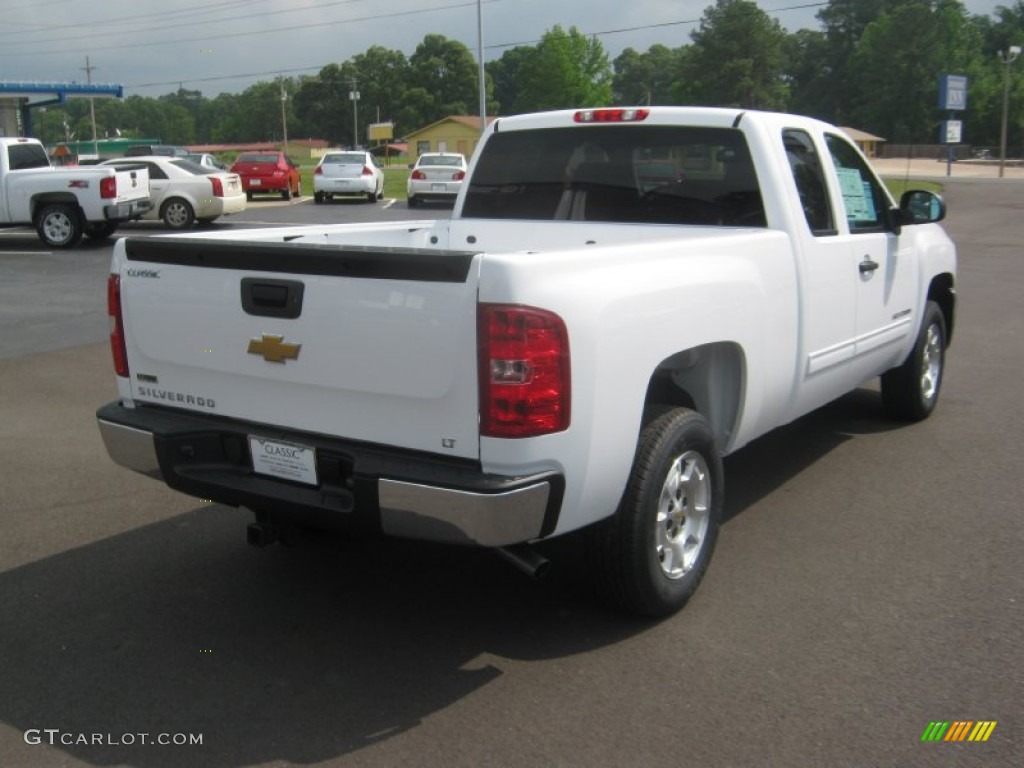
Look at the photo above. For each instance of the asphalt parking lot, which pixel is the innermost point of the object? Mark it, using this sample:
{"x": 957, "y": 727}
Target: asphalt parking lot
{"x": 868, "y": 582}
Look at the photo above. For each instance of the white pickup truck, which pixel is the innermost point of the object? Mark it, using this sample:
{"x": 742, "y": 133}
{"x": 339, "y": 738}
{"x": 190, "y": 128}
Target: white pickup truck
{"x": 620, "y": 298}
{"x": 65, "y": 203}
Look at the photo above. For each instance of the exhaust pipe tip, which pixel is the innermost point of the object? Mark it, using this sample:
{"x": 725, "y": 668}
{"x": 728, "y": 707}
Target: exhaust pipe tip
{"x": 527, "y": 560}
{"x": 261, "y": 534}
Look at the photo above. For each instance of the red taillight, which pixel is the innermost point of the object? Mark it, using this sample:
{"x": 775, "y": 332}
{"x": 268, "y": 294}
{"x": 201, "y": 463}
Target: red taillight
{"x": 108, "y": 187}
{"x": 419, "y": 175}
{"x": 611, "y": 115}
{"x": 458, "y": 176}
{"x": 524, "y": 371}
{"x": 117, "y": 344}
{"x": 218, "y": 187}
{"x": 319, "y": 171}
{"x": 367, "y": 171}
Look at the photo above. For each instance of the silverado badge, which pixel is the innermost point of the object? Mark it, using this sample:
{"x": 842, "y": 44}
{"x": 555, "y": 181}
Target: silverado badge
{"x": 274, "y": 349}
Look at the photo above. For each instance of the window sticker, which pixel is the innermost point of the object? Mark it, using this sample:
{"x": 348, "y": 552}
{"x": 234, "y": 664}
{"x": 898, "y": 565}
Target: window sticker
{"x": 860, "y": 205}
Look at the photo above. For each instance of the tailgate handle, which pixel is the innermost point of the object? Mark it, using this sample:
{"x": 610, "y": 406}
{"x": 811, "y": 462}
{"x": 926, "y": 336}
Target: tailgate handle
{"x": 272, "y": 298}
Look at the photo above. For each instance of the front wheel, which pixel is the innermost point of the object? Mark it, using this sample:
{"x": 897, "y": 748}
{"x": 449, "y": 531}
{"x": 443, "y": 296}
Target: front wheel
{"x": 651, "y": 555}
{"x": 59, "y": 225}
{"x": 911, "y": 391}
{"x": 99, "y": 230}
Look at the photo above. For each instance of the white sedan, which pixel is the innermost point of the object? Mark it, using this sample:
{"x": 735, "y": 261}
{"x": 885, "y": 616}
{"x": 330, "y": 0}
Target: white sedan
{"x": 348, "y": 173}
{"x": 435, "y": 176}
{"x": 184, "y": 192}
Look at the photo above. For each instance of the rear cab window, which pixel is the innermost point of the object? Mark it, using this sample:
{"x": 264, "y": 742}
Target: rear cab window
{"x": 22, "y": 157}
{"x": 618, "y": 173}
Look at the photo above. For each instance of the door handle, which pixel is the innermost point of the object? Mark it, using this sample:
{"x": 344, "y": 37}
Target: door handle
{"x": 868, "y": 265}
{"x": 264, "y": 297}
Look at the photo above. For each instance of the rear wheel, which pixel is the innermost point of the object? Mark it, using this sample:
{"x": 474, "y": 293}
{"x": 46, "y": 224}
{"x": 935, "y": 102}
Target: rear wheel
{"x": 318, "y": 197}
{"x": 286, "y": 194}
{"x": 651, "y": 555}
{"x": 59, "y": 225}
{"x": 177, "y": 214}
{"x": 413, "y": 202}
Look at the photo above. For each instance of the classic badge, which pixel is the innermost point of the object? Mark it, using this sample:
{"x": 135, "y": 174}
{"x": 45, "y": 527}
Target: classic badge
{"x": 274, "y": 349}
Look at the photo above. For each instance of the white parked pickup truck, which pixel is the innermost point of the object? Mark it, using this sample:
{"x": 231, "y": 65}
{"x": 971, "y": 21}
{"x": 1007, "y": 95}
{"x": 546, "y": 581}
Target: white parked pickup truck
{"x": 621, "y": 298}
{"x": 65, "y": 203}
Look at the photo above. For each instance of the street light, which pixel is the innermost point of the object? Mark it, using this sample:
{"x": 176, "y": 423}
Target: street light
{"x": 1011, "y": 56}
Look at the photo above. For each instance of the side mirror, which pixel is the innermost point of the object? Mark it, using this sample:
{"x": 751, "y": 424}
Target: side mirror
{"x": 918, "y": 206}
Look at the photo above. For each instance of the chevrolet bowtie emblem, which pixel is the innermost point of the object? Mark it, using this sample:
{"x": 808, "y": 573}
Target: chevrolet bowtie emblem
{"x": 273, "y": 349}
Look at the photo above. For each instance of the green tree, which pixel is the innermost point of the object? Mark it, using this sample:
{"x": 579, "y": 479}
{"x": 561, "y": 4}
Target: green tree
{"x": 737, "y": 58}
{"x": 505, "y": 73}
{"x": 567, "y": 69}
{"x": 647, "y": 78}
{"x": 446, "y": 71}
{"x": 898, "y": 61}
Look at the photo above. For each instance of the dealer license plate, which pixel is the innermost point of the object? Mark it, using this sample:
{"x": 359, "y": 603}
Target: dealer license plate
{"x": 287, "y": 461}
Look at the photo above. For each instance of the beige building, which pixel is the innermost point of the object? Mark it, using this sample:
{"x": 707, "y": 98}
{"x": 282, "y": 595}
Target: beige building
{"x": 867, "y": 142}
{"x": 455, "y": 133}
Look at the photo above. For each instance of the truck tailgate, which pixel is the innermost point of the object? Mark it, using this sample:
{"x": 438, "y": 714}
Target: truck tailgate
{"x": 132, "y": 184}
{"x": 369, "y": 344}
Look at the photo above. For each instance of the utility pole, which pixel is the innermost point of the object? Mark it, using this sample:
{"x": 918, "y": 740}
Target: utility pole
{"x": 482, "y": 85}
{"x": 353, "y": 96}
{"x": 284, "y": 117}
{"x": 92, "y": 105}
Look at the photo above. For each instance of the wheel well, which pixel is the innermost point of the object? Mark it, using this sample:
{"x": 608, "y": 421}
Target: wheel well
{"x": 49, "y": 198}
{"x": 943, "y": 293}
{"x": 708, "y": 379}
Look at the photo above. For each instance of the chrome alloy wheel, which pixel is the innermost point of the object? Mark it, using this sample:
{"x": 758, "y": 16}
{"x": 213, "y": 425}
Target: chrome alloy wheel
{"x": 931, "y": 362}
{"x": 177, "y": 215}
{"x": 683, "y": 514}
{"x": 57, "y": 226}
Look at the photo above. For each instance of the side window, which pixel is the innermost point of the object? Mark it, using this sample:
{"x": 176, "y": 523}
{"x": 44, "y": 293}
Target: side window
{"x": 863, "y": 196}
{"x": 805, "y": 164}
{"x": 155, "y": 171}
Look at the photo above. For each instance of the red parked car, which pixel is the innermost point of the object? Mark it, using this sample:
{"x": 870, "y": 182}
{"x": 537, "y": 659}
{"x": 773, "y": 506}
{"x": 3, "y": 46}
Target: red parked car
{"x": 268, "y": 172}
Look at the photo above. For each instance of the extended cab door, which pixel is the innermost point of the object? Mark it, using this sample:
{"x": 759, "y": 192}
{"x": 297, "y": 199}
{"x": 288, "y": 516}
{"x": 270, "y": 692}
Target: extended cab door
{"x": 828, "y": 287}
{"x": 885, "y": 282}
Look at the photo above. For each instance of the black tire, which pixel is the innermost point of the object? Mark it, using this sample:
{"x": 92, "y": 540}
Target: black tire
{"x": 59, "y": 225}
{"x": 177, "y": 213}
{"x": 286, "y": 194}
{"x": 100, "y": 230}
{"x": 650, "y": 557}
{"x": 371, "y": 197}
{"x": 911, "y": 391}
{"x": 318, "y": 197}
{"x": 412, "y": 202}
{"x": 248, "y": 196}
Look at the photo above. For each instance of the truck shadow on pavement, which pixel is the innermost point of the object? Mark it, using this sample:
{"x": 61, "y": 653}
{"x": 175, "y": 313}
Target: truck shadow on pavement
{"x": 308, "y": 653}
{"x": 300, "y": 654}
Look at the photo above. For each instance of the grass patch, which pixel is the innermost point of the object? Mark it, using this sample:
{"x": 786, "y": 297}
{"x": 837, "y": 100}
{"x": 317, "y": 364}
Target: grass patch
{"x": 899, "y": 186}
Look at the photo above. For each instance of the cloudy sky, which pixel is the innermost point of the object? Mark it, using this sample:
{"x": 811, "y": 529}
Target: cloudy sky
{"x": 152, "y": 46}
